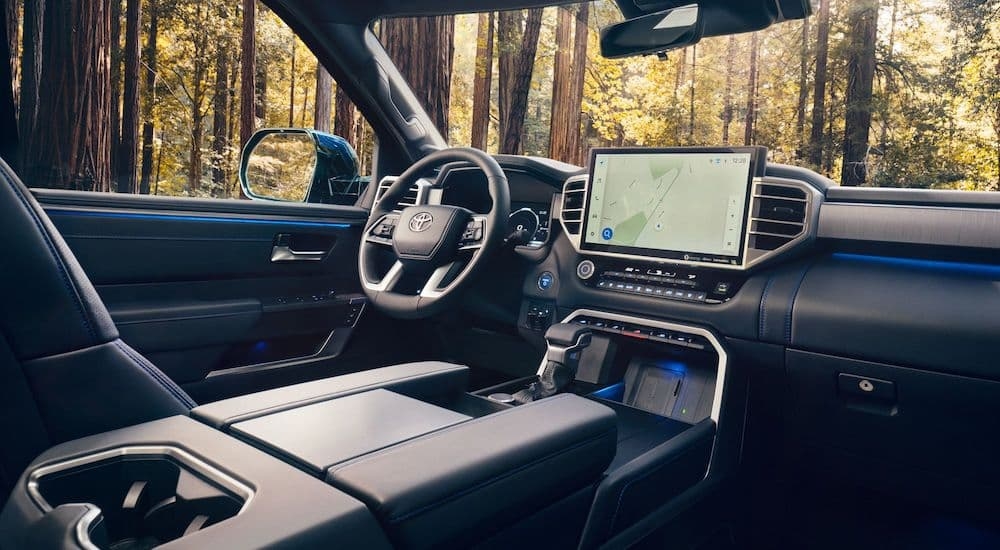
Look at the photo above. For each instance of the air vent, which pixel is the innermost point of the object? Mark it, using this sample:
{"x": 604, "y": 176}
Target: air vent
{"x": 574, "y": 195}
{"x": 779, "y": 216}
{"x": 409, "y": 199}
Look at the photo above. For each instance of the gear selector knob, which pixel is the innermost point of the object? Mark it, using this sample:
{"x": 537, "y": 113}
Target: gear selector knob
{"x": 565, "y": 344}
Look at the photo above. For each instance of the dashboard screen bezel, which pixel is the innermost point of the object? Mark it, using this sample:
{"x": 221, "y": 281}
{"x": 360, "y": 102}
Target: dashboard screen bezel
{"x": 758, "y": 160}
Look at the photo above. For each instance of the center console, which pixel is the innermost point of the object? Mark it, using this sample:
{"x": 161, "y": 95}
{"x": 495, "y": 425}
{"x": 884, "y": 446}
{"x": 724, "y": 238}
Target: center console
{"x": 395, "y": 457}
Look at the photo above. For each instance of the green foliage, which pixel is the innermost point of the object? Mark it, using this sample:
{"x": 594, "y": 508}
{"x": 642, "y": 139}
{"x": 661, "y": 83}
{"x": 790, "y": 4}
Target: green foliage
{"x": 936, "y": 107}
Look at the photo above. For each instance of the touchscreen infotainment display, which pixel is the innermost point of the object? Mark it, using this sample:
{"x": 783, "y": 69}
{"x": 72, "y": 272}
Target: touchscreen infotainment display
{"x": 679, "y": 204}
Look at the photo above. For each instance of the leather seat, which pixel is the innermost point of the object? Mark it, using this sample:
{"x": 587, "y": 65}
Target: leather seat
{"x": 64, "y": 372}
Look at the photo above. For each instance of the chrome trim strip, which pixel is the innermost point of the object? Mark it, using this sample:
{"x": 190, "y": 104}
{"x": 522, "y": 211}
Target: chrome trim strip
{"x": 237, "y": 487}
{"x": 720, "y": 377}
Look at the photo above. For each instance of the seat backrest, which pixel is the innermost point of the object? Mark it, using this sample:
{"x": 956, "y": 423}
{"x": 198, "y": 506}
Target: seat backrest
{"x": 64, "y": 372}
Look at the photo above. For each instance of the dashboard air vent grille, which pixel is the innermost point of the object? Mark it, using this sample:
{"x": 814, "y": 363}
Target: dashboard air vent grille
{"x": 574, "y": 193}
{"x": 409, "y": 199}
{"x": 779, "y": 215}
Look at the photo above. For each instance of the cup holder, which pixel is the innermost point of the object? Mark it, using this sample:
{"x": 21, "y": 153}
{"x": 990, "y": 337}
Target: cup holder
{"x": 147, "y": 495}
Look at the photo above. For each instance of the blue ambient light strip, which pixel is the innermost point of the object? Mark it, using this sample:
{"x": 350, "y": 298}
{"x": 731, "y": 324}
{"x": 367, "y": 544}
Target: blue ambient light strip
{"x": 191, "y": 218}
{"x": 929, "y": 265}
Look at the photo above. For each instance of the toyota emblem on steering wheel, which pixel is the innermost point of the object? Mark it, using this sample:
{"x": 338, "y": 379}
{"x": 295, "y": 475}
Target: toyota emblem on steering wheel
{"x": 421, "y": 222}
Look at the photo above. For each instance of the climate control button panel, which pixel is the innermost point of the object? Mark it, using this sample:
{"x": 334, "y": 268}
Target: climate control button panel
{"x": 668, "y": 282}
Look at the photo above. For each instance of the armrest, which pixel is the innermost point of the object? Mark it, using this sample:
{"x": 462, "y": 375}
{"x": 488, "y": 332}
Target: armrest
{"x": 458, "y": 485}
{"x": 425, "y": 381}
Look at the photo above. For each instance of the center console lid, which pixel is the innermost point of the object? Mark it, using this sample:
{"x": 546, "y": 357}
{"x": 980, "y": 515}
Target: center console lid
{"x": 454, "y": 486}
{"x": 319, "y": 436}
{"x": 427, "y": 381}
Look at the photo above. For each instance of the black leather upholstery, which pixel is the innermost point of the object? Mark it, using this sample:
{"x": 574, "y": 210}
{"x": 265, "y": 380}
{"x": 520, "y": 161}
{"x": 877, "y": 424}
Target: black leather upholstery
{"x": 460, "y": 485}
{"x": 67, "y": 363}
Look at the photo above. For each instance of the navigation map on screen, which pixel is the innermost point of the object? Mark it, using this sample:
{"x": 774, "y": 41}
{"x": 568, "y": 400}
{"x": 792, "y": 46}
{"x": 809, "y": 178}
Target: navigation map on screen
{"x": 690, "y": 202}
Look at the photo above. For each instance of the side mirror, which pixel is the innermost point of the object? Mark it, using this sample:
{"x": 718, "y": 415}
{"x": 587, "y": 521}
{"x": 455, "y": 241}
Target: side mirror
{"x": 300, "y": 165}
{"x": 654, "y": 33}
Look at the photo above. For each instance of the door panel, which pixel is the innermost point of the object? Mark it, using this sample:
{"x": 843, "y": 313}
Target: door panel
{"x": 209, "y": 291}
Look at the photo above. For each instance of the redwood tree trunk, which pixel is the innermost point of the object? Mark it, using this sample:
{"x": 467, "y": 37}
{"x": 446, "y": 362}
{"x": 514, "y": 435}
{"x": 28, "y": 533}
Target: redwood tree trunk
{"x": 31, "y": 66}
{"x": 691, "y": 101}
{"x": 423, "y": 49}
{"x": 483, "y": 81}
{"x": 581, "y": 38}
{"x": 748, "y": 128}
{"x": 559, "y": 129}
{"x": 248, "y": 72}
{"x": 291, "y": 89}
{"x": 220, "y": 124}
{"x": 816, "y": 138}
{"x": 863, "y": 20}
{"x": 116, "y": 85}
{"x": 800, "y": 108}
{"x": 728, "y": 109}
{"x": 128, "y": 146}
{"x": 343, "y": 122}
{"x": 149, "y": 98}
{"x": 518, "y": 39}
{"x": 324, "y": 99}
{"x": 72, "y": 149}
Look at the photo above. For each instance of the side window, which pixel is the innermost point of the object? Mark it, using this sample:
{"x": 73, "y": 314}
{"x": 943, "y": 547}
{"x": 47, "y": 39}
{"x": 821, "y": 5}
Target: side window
{"x": 166, "y": 99}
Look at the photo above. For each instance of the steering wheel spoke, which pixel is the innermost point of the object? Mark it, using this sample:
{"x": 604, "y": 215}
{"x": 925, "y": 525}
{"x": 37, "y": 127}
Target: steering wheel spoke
{"x": 433, "y": 287}
{"x": 474, "y": 237}
{"x": 388, "y": 281}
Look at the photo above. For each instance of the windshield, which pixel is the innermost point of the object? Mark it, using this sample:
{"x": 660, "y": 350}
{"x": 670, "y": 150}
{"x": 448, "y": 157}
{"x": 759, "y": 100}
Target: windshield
{"x": 888, "y": 93}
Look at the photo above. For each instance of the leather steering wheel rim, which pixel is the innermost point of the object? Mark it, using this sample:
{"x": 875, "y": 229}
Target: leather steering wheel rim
{"x": 427, "y": 303}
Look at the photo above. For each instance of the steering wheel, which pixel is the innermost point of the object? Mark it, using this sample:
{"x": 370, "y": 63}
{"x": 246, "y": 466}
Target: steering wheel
{"x": 441, "y": 247}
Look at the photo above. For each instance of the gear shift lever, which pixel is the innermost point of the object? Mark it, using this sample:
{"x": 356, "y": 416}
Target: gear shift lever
{"x": 565, "y": 344}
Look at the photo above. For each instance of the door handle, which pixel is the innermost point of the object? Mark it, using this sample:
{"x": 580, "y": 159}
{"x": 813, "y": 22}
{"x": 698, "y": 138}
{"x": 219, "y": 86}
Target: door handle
{"x": 282, "y": 251}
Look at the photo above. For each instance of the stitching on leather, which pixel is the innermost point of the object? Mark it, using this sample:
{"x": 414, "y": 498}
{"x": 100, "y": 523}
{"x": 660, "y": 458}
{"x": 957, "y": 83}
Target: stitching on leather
{"x": 229, "y": 421}
{"x": 500, "y": 477}
{"x": 63, "y": 273}
{"x": 426, "y": 437}
{"x": 621, "y": 494}
{"x": 762, "y": 324}
{"x": 156, "y": 375}
{"x": 791, "y": 305}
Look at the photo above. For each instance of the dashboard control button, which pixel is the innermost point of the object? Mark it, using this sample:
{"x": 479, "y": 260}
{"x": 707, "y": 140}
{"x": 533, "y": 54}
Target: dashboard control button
{"x": 586, "y": 269}
{"x": 545, "y": 281}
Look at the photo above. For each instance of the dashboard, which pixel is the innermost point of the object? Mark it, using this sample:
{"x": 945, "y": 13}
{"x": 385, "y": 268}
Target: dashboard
{"x": 860, "y": 324}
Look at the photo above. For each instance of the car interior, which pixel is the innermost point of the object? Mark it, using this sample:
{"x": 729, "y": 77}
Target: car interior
{"x": 496, "y": 351}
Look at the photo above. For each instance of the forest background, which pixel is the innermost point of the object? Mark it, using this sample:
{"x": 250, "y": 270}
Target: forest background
{"x": 157, "y": 96}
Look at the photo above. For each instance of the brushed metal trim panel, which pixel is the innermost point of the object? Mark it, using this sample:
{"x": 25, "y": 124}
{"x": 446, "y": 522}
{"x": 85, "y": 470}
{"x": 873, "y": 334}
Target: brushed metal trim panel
{"x": 924, "y": 225}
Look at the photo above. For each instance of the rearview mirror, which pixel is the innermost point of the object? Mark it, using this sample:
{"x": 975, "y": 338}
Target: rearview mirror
{"x": 300, "y": 165}
{"x": 654, "y": 33}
